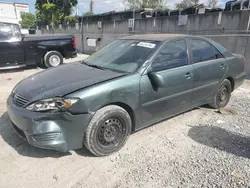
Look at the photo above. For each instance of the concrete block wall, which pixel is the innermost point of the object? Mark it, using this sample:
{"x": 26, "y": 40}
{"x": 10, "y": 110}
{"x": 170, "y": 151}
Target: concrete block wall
{"x": 228, "y": 31}
{"x": 231, "y": 22}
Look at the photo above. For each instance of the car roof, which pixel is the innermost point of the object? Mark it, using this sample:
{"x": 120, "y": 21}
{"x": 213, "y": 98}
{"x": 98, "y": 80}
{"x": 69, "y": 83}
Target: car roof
{"x": 8, "y": 20}
{"x": 169, "y": 36}
{"x": 158, "y": 37}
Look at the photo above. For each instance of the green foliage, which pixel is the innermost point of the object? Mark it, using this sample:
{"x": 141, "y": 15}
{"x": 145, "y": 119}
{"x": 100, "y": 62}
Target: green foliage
{"x": 47, "y": 10}
{"x": 88, "y": 14}
{"x": 154, "y": 4}
{"x": 186, "y": 3}
{"x": 71, "y": 20}
{"x": 39, "y": 15}
{"x": 54, "y": 11}
{"x": 130, "y": 4}
{"x": 28, "y": 20}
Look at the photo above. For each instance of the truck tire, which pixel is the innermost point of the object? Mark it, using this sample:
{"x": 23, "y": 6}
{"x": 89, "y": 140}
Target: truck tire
{"x": 53, "y": 59}
{"x": 223, "y": 95}
{"x": 108, "y": 130}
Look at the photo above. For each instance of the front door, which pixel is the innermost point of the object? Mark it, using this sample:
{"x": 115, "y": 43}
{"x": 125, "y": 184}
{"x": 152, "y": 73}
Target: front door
{"x": 209, "y": 69}
{"x": 175, "y": 97}
{"x": 11, "y": 51}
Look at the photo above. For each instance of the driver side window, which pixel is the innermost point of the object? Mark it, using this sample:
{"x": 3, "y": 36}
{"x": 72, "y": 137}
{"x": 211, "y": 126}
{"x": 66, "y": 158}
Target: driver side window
{"x": 173, "y": 55}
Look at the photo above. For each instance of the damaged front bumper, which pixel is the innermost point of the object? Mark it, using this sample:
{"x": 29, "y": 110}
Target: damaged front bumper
{"x": 60, "y": 131}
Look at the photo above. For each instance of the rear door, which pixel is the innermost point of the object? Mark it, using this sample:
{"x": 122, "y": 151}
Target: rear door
{"x": 209, "y": 69}
{"x": 11, "y": 51}
{"x": 172, "y": 64}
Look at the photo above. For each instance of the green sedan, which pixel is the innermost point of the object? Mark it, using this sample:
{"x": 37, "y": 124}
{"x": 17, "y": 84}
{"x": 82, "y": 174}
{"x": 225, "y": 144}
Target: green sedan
{"x": 128, "y": 85}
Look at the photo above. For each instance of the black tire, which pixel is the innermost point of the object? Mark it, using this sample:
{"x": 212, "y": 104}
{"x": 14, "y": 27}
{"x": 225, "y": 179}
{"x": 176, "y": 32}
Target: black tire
{"x": 223, "y": 95}
{"x": 108, "y": 130}
{"x": 50, "y": 56}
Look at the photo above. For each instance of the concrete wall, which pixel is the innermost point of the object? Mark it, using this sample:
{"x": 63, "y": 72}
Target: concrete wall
{"x": 232, "y": 22}
{"x": 230, "y": 31}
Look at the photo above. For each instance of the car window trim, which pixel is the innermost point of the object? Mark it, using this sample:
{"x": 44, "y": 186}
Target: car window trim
{"x": 173, "y": 69}
{"x": 191, "y": 54}
{"x": 222, "y": 56}
{"x": 162, "y": 47}
{"x": 11, "y": 26}
{"x": 208, "y": 61}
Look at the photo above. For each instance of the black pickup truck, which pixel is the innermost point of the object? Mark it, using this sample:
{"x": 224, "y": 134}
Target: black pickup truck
{"x": 17, "y": 50}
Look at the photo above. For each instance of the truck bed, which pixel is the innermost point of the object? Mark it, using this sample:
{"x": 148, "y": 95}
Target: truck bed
{"x": 46, "y": 37}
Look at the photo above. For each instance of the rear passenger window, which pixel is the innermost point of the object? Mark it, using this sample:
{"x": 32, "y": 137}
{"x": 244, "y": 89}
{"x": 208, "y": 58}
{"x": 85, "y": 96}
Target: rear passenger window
{"x": 173, "y": 55}
{"x": 201, "y": 51}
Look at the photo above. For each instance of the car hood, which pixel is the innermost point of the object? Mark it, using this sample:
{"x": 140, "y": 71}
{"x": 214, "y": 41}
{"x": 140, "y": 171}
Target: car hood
{"x": 62, "y": 80}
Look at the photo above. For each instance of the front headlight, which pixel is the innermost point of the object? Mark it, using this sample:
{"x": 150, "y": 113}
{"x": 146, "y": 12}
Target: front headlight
{"x": 52, "y": 105}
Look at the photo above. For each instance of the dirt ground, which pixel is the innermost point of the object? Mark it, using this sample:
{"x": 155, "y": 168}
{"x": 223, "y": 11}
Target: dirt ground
{"x": 200, "y": 148}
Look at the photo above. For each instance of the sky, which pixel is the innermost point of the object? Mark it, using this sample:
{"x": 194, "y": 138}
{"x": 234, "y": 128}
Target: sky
{"x": 101, "y": 6}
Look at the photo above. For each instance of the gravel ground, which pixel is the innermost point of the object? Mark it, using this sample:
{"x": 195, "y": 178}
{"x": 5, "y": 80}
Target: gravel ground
{"x": 200, "y": 148}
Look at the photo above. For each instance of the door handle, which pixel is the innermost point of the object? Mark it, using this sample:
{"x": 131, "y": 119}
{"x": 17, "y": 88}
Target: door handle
{"x": 222, "y": 66}
{"x": 188, "y": 75}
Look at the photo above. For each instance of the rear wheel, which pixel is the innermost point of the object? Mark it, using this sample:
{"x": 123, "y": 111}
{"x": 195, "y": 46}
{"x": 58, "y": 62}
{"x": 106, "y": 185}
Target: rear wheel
{"x": 108, "y": 130}
{"x": 53, "y": 59}
{"x": 223, "y": 95}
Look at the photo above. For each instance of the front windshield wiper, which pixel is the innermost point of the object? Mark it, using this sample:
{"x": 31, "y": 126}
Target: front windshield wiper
{"x": 103, "y": 68}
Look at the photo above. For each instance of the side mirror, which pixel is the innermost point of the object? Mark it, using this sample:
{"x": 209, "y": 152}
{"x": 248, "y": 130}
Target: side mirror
{"x": 156, "y": 79}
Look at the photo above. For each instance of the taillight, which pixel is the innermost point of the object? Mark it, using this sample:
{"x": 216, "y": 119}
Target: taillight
{"x": 74, "y": 42}
{"x": 245, "y": 62}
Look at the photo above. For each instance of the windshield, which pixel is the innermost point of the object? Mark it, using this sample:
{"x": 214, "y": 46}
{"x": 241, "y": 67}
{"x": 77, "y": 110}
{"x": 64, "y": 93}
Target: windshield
{"x": 123, "y": 55}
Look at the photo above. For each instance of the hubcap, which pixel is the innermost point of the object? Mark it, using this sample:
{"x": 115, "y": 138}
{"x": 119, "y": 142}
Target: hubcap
{"x": 223, "y": 94}
{"x": 110, "y": 132}
{"x": 54, "y": 60}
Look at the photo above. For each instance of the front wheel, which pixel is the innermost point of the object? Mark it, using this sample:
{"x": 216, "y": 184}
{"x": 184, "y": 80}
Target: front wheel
{"x": 223, "y": 95}
{"x": 108, "y": 130}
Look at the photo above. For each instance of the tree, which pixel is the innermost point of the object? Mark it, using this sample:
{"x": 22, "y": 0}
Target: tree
{"x": 46, "y": 12}
{"x": 28, "y": 20}
{"x": 71, "y": 20}
{"x": 155, "y": 4}
{"x": 88, "y": 14}
{"x": 54, "y": 11}
{"x": 130, "y": 4}
{"x": 212, "y": 3}
{"x": 186, "y": 3}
